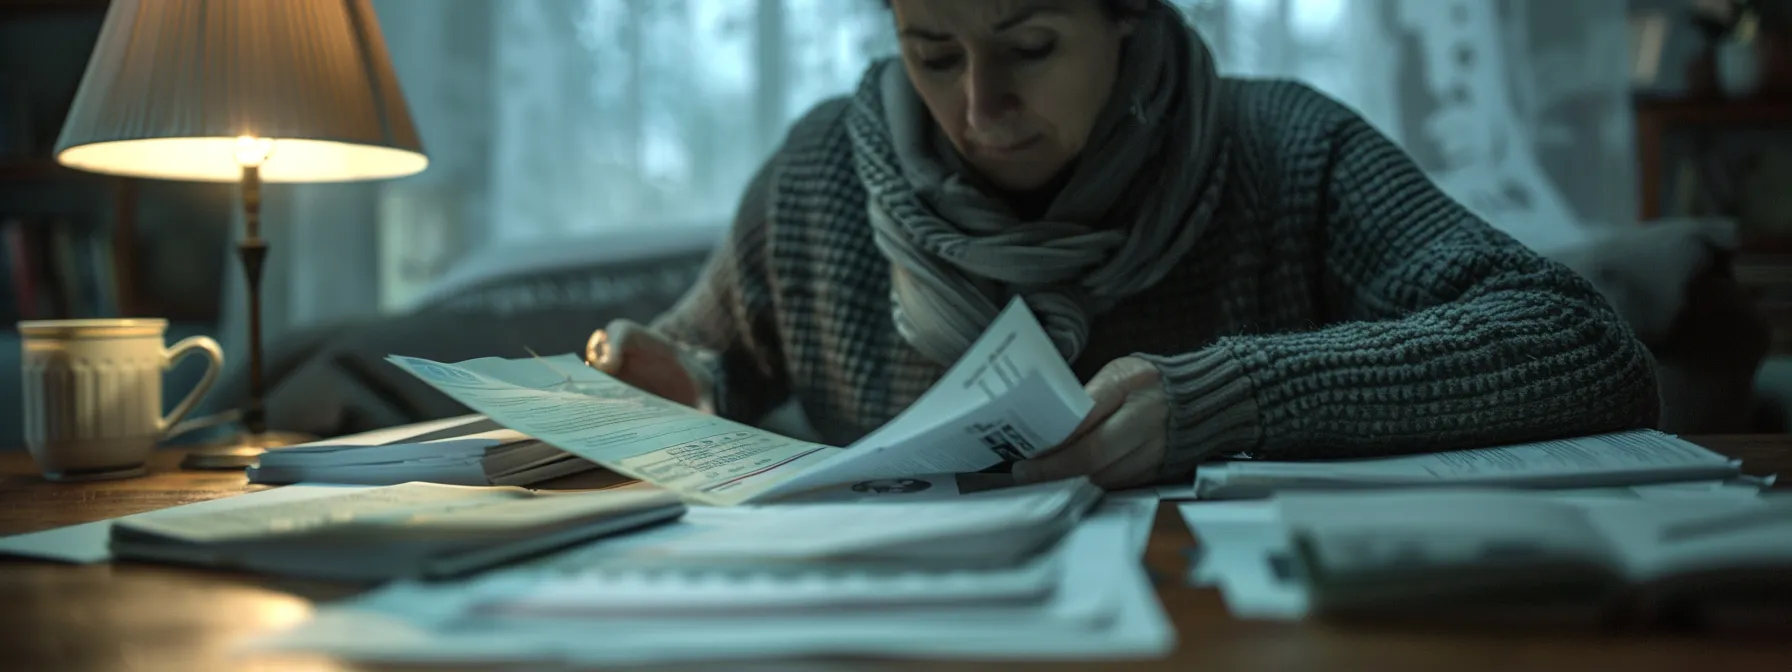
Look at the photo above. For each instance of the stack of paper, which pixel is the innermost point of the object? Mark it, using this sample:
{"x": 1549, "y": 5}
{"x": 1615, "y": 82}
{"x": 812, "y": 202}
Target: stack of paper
{"x": 998, "y": 528}
{"x": 616, "y": 602}
{"x": 468, "y": 450}
{"x": 1609, "y": 460}
{"x": 1386, "y": 552}
{"x": 1248, "y": 549}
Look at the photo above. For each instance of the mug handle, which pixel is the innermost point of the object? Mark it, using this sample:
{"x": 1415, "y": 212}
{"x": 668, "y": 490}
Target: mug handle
{"x": 187, "y": 346}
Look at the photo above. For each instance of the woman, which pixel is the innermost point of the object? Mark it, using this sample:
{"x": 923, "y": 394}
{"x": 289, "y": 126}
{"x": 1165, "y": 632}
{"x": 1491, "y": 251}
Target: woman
{"x": 1232, "y": 266}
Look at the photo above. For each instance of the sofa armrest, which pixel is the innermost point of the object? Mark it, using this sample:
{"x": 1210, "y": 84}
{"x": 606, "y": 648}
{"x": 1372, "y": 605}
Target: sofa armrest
{"x": 1708, "y": 359}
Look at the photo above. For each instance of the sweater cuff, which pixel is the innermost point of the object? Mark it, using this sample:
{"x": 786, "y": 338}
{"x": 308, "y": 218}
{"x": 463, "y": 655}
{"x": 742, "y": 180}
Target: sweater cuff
{"x": 1213, "y": 409}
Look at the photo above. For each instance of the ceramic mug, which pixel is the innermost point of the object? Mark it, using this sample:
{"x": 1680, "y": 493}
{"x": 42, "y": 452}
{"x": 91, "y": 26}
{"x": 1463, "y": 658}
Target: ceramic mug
{"x": 92, "y": 391}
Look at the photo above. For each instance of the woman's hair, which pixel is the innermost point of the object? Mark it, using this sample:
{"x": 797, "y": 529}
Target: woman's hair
{"x": 1113, "y": 8}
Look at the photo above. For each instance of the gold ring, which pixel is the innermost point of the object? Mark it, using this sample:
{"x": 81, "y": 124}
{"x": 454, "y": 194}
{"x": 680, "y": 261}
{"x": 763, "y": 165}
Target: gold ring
{"x": 597, "y": 348}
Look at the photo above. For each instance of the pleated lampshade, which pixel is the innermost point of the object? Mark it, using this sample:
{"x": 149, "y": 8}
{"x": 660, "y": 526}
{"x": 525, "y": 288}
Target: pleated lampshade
{"x": 193, "y": 89}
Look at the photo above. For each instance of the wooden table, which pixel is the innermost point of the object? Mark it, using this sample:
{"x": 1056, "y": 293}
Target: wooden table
{"x": 137, "y": 617}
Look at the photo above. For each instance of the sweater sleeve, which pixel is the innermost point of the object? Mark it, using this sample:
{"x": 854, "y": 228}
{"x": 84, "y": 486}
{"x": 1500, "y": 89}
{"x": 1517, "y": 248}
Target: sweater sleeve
{"x": 1443, "y": 333}
{"x": 726, "y": 318}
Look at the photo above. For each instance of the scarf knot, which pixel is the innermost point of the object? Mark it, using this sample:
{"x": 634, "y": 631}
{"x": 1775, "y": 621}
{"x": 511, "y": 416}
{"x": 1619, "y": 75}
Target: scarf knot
{"x": 1138, "y": 198}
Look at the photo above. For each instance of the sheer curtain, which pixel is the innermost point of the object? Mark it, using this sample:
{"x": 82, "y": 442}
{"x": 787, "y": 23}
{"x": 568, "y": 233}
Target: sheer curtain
{"x": 619, "y": 114}
{"x": 551, "y": 121}
{"x": 1518, "y": 108}
{"x": 629, "y": 113}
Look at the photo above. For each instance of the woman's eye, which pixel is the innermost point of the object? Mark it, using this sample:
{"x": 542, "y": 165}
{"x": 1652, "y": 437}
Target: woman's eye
{"x": 940, "y": 62}
{"x": 1035, "y": 53}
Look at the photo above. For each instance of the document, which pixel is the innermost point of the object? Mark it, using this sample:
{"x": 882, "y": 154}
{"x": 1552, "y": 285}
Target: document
{"x": 1607, "y": 460}
{"x": 87, "y": 542}
{"x": 388, "y": 511}
{"x": 320, "y": 454}
{"x": 997, "y": 528}
{"x": 469, "y": 450}
{"x": 1246, "y": 550}
{"x": 412, "y": 530}
{"x": 1091, "y": 600}
{"x": 1465, "y": 549}
{"x": 1010, "y": 397}
{"x": 562, "y": 402}
{"x": 417, "y": 433}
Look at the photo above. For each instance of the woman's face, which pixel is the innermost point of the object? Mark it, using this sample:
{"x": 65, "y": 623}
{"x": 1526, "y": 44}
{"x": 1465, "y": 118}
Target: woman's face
{"x": 1015, "y": 84}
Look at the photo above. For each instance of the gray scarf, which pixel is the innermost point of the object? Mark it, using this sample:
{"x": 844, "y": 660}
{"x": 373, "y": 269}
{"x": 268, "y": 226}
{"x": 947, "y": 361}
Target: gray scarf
{"x": 1139, "y": 196}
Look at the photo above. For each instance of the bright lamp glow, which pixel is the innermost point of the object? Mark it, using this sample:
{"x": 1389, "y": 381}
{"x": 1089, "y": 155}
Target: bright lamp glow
{"x": 199, "y": 90}
{"x": 222, "y": 159}
{"x": 253, "y": 151}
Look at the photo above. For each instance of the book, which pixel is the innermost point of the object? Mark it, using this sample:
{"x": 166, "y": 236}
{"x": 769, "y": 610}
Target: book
{"x": 1010, "y": 397}
{"x": 465, "y": 450}
{"x": 1502, "y": 551}
{"x": 1617, "y": 459}
{"x": 407, "y": 531}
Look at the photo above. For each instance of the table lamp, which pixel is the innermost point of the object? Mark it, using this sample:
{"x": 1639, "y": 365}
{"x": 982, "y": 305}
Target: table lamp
{"x": 246, "y": 91}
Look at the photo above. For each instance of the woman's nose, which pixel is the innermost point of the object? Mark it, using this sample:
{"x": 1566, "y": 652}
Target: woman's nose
{"x": 992, "y": 102}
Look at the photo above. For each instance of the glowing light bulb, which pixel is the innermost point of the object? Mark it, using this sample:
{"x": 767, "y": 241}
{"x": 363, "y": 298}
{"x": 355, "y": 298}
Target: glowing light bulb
{"x": 253, "y": 151}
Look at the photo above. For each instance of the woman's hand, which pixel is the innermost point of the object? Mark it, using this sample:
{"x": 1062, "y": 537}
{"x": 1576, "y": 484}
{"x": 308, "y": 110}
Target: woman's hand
{"x": 648, "y": 360}
{"x": 1121, "y": 443}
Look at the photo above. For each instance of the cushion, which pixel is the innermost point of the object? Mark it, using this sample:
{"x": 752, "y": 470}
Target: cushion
{"x": 333, "y": 379}
{"x": 1644, "y": 270}
{"x": 1671, "y": 280}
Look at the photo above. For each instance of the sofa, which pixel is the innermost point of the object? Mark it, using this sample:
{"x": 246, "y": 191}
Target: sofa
{"x": 1671, "y": 282}
{"x": 328, "y": 380}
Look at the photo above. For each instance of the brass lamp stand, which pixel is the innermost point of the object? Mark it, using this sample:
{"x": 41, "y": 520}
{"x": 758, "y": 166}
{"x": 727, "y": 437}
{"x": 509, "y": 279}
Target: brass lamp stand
{"x": 211, "y": 91}
{"x": 244, "y": 449}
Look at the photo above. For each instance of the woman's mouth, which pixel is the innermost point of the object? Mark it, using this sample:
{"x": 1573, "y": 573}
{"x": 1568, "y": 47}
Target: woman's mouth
{"x": 1010, "y": 149}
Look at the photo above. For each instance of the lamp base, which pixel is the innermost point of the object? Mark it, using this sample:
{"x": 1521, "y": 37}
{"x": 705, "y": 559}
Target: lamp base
{"x": 241, "y": 451}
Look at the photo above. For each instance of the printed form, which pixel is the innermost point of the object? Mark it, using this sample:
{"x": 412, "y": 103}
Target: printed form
{"x": 1010, "y": 397}
{"x": 562, "y": 402}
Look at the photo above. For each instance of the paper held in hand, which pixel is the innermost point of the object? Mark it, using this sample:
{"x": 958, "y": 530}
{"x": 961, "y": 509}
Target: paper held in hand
{"x": 1010, "y": 397}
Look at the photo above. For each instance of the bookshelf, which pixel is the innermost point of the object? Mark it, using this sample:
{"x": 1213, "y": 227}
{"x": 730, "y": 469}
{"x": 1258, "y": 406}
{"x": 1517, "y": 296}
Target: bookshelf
{"x": 87, "y": 281}
{"x": 154, "y": 231}
{"x": 1729, "y": 158}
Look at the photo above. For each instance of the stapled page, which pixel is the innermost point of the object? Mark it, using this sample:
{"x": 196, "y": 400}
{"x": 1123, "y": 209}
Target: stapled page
{"x": 1010, "y": 397}
{"x": 1014, "y": 352}
{"x": 1026, "y": 420}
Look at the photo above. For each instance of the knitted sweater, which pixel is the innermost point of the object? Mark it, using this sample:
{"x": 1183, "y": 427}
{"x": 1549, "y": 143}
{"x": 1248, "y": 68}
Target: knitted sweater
{"x": 1338, "y": 306}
